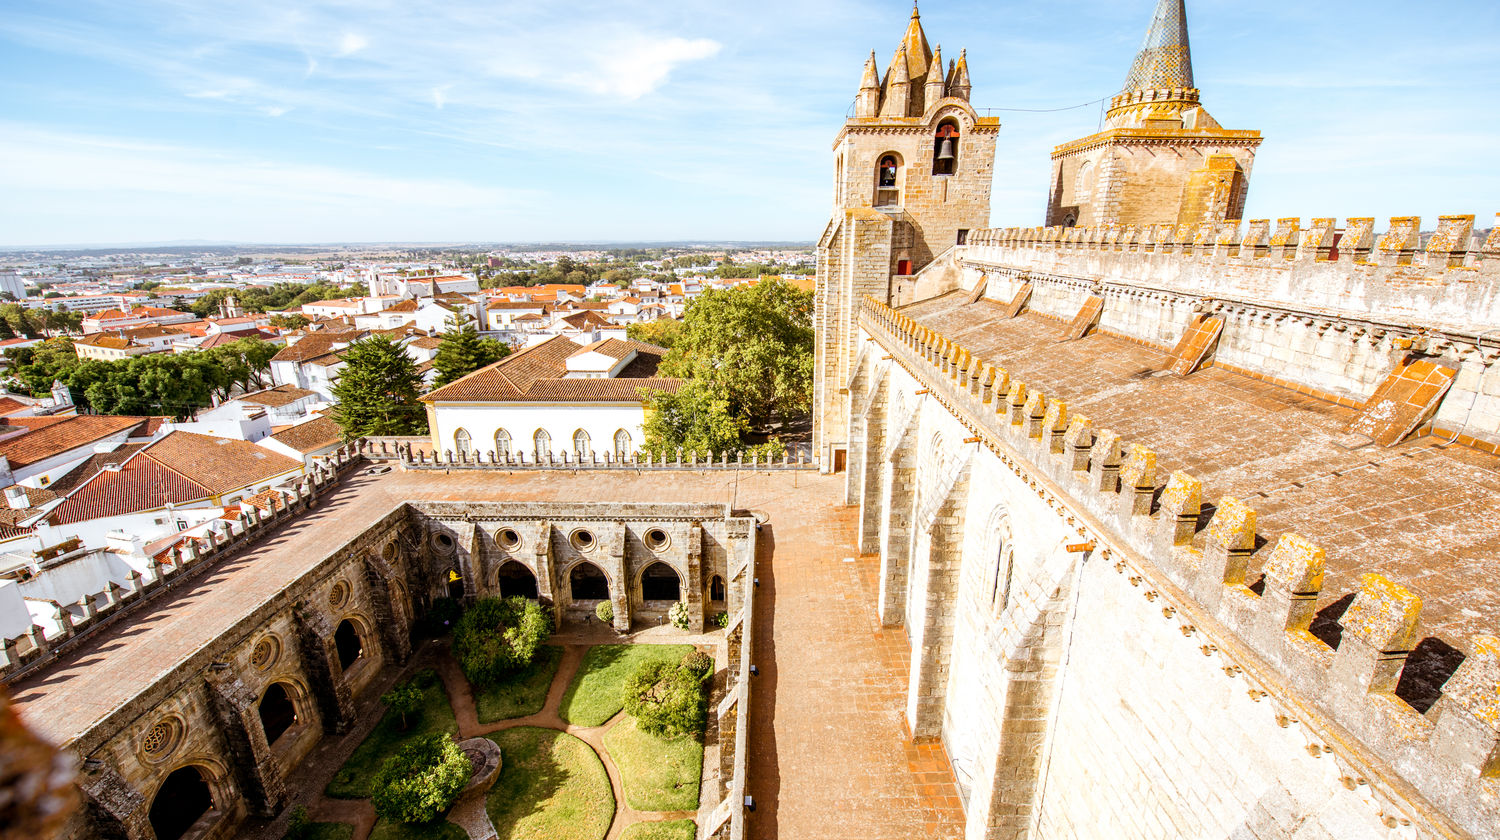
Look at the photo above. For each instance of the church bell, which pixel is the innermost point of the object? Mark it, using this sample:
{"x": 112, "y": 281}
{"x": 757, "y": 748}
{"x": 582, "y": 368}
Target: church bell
{"x": 945, "y": 151}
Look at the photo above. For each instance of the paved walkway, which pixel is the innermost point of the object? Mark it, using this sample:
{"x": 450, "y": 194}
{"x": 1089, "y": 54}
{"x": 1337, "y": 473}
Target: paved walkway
{"x": 830, "y": 755}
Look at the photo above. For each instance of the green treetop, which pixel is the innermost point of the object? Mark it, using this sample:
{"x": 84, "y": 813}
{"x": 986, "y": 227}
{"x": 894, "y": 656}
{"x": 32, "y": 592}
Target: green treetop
{"x": 378, "y": 391}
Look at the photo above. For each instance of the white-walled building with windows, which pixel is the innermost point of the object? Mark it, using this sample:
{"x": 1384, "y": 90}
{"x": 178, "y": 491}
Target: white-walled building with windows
{"x": 558, "y": 397}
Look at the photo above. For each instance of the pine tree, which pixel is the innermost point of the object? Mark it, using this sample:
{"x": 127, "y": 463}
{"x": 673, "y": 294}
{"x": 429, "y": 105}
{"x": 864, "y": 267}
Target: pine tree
{"x": 463, "y": 352}
{"x": 378, "y": 391}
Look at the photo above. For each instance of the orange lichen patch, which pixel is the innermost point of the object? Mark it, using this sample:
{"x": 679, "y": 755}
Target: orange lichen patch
{"x": 1296, "y": 565}
{"x": 1018, "y": 302}
{"x": 1183, "y": 492}
{"x": 1139, "y": 469}
{"x": 1056, "y": 416}
{"x": 1196, "y": 342}
{"x": 1404, "y": 401}
{"x": 1475, "y": 686}
{"x": 1233, "y": 525}
{"x": 1080, "y": 431}
{"x": 1384, "y": 614}
{"x": 1086, "y": 319}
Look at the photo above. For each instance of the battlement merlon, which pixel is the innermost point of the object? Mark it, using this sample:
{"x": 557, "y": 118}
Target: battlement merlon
{"x": 1449, "y": 756}
{"x": 1446, "y": 278}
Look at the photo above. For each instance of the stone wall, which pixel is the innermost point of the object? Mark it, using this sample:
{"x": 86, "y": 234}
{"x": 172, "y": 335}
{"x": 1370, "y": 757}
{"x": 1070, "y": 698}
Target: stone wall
{"x": 1098, "y": 667}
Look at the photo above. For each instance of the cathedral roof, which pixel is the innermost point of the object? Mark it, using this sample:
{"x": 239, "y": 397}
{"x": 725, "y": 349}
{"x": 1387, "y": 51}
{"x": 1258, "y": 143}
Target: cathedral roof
{"x": 1165, "y": 61}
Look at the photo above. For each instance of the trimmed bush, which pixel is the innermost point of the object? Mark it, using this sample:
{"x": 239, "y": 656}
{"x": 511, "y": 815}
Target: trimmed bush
{"x": 421, "y": 781}
{"x": 699, "y": 663}
{"x": 499, "y": 636}
{"x": 721, "y": 619}
{"x": 665, "y": 699}
{"x": 404, "y": 700}
{"x": 678, "y": 615}
{"x": 605, "y": 612}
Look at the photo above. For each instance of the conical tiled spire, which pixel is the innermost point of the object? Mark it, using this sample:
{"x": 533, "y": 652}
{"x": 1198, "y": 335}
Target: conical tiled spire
{"x": 936, "y": 85}
{"x": 958, "y": 77}
{"x": 867, "y": 101}
{"x": 914, "y": 44}
{"x": 871, "y": 78}
{"x": 1165, "y": 60}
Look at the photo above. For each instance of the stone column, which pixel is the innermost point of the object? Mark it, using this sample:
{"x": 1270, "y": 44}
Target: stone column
{"x": 871, "y": 475}
{"x": 391, "y": 613}
{"x": 546, "y": 571}
{"x": 897, "y": 499}
{"x": 937, "y": 558}
{"x": 320, "y": 663}
{"x": 618, "y": 571}
{"x": 114, "y": 809}
{"x": 255, "y": 767}
{"x": 692, "y": 588}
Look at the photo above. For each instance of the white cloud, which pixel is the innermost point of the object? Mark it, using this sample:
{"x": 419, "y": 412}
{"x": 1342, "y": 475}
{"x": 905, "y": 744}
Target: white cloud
{"x": 639, "y": 66}
{"x": 440, "y": 96}
{"x": 275, "y": 110}
{"x": 351, "y": 43}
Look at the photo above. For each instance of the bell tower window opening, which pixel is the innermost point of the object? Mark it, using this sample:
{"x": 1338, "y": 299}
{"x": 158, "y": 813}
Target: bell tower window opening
{"x": 888, "y": 181}
{"x": 945, "y": 149}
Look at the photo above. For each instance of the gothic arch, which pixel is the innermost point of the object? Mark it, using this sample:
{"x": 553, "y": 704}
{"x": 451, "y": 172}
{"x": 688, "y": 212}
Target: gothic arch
{"x": 186, "y": 796}
{"x": 582, "y": 445}
{"x": 280, "y": 708}
{"x": 1000, "y": 561}
{"x": 502, "y": 443}
{"x": 587, "y": 581}
{"x": 542, "y": 442}
{"x": 352, "y": 640}
{"x": 515, "y": 578}
{"x": 658, "y": 581}
{"x": 463, "y": 442}
{"x": 890, "y": 179}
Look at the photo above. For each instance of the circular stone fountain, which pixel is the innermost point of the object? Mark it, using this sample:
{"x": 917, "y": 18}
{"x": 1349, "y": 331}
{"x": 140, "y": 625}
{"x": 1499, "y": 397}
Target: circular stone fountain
{"x": 484, "y": 755}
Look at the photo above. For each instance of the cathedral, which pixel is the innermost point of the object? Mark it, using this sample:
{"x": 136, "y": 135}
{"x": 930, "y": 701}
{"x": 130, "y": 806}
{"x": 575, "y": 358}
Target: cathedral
{"x": 1148, "y": 522}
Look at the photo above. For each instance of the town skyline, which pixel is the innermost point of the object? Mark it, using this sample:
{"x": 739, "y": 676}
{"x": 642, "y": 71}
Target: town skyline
{"x": 318, "y": 122}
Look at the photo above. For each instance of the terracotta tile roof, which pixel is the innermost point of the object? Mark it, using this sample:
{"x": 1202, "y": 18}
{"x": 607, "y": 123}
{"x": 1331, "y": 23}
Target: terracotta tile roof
{"x": 611, "y": 347}
{"x": 428, "y": 342}
{"x": 584, "y": 320}
{"x": 9, "y": 405}
{"x": 56, "y": 435}
{"x": 224, "y": 338}
{"x": 108, "y": 341}
{"x": 497, "y": 303}
{"x": 278, "y": 396}
{"x": 10, "y": 518}
{"x": 181, "y": 467}
{"x": 269, "y": 501}
{"x": 311, "y": 436}
{"x": 403, "y": 306}
{"x": 76, "y": 477}
{"x": 326, "y": 360}
{"x": 314, "y": 345}
{"x": 538, "y": 373}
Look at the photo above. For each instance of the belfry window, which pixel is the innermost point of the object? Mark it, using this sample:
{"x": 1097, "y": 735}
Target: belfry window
{"x": 888, "y": 181}
{"x": 945, "y": 149}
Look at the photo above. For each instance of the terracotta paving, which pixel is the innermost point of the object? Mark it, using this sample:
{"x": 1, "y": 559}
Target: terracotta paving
{"x": 830, "y": 755}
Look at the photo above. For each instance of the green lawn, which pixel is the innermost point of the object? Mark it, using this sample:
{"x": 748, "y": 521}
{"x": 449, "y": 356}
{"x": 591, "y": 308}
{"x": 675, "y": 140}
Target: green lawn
{"x": 659, "y": 774}
{"x": 353, "y": 779}
{"x": 672, "y": 830}
{"x": 552, "y": 787}
{"x": 524, "y": 693}
{"x": 328, "y": 831}
{"x": 435, "y": 830}
{"x": 594, "y": 696}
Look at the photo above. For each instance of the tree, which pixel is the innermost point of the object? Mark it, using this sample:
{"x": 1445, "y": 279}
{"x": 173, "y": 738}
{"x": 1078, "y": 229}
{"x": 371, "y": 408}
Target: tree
{"x": 463, "y": 352}
{"x": 421, "y": 781}
{"x": 696, "y": 418}
{"x": 666, "y": 700}
{"x": 289, "y": 322}
{"x": 378, "y": 391}
{"x": 663, "y": 332}
{"x": 753, "y": 345}
{"x": 499, "y": 636}
{"x": 404, "y": 700}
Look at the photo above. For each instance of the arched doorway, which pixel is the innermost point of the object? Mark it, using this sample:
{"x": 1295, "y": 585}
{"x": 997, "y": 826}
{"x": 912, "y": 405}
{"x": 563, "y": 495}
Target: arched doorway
{"x": 277, "y": 713}
{"x": 179, "y": 802}
{"x": 347, "y": 640}
{"x": 455, "y": 584}
{"x": 516, "y": 579}
{"x": 716, "y": 589}
{"x": 588, "y": 583}
{"x": 660, "y": 583}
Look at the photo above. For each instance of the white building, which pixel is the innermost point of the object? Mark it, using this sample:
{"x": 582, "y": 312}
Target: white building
{"x": 554, "y": 397}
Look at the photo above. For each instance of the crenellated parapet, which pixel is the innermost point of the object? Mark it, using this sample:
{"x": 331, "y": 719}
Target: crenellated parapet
{"x": 1447, "y": 276}
{"x": 1150, "y": 527}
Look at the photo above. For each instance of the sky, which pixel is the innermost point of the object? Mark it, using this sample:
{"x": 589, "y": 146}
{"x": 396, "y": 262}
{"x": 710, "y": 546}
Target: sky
{"x": 292, "y": 121}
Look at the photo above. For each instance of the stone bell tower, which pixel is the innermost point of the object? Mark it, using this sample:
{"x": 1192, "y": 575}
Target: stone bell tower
{"x": 912, "y": 172}
{"x": 1161, "y": 159}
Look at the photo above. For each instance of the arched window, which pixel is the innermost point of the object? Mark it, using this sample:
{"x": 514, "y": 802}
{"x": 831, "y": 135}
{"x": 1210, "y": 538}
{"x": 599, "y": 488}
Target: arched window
{"x": 588, "y": 583}
{"x": 543, "y": 442}
{"x": 623, "y": 445}
{"x": 660, "y": 583}
{"x": 1003, "y": 570}
{"x": 277, "y": 713}
{"x": 346, "y": 640}
{"x": 179, "y": 802}
{"x": 945, "y": 149}
{"x": 888, "y": 181}
{"x": 581, "y": 445}
{"x": 462, "y": 442}
{"x": 502, "y": 443}
{"x": 716, "y": 588}
{"x": 517, "y": 580}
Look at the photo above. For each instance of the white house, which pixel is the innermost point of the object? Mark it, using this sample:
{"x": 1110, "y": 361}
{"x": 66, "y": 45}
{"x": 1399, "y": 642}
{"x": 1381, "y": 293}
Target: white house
{"x": 553, "y": 397}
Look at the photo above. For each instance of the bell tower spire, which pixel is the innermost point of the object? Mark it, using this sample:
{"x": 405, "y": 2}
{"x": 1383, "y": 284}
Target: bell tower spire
{"x": 1165, "y": 60}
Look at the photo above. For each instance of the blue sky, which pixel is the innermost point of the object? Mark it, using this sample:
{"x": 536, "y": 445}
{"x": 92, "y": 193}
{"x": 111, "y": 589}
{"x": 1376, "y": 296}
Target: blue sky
{"x": 376, "y": 120}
